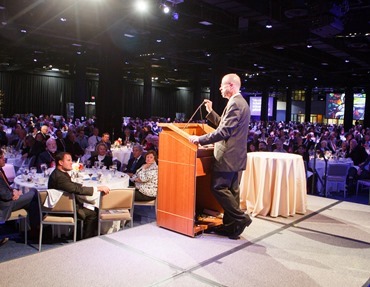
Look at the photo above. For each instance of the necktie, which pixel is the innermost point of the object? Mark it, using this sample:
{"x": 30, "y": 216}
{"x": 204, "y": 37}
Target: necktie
{"x": 19, "y": 144}
{"x": 4, "y": 177}
{"x": 134, "y": 164}
{"x": 63, "y": 144}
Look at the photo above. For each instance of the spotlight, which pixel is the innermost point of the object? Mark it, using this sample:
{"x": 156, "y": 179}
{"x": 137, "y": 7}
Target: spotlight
{"x": 309, "y": 45}
{"x": 165, "y": 9}
{"x": 175, "y": 16}
{"x": 268, "y": 24}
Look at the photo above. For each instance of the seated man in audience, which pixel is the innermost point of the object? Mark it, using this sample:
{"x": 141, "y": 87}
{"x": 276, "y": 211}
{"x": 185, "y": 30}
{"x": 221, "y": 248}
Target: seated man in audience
{"x": 61, "y": 144}
{"x": 82, "y": 139}
{"x": 106, "y": 141}
{"x": 32, "y": 150}
{"x": 48, "y": 156}
{"x": 61, "y": 180}
{"x": 135, "y": 162}
{"x": 364, "y": 169}
{"x": 12, "y": 200}
{"x": 356, "y": 152}
{"x": 94, "y": 139}
{"x": 262, "y": 146}
{"x": 19, "y": 143}
{"x": 102, "y": 156}
{"x": 128, "y": 136}
{"x": 146, "y": 178}
{"x": 279, "y": 146}
{"x": 72, "y": 146}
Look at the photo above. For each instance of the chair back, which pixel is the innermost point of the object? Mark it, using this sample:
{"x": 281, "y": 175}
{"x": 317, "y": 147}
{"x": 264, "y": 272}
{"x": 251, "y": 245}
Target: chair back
{"x": 117, "y": 199}
{"x": 66, "y": 203}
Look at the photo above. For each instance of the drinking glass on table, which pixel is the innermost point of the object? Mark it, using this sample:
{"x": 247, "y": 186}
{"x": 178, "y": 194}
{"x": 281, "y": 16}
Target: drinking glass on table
{"x": 113, "y": 168}
{"x": 33, "y": 170}
{"x": 43, "y": 168}
{"x": 96, "y": 165}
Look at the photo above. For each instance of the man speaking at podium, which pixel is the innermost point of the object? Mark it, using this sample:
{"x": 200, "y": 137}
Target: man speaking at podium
{"x": 230, "y": 152}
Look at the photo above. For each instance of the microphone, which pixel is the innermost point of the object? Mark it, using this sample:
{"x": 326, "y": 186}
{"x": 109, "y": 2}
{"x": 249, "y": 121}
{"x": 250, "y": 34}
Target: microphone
{"x": 194, "y": 115}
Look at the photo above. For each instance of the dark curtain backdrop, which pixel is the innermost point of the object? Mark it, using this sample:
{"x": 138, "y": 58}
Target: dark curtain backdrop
{"x": 167, "y": 101}
{"x": 43, "y": 94}
{"x": 37, "y": 94}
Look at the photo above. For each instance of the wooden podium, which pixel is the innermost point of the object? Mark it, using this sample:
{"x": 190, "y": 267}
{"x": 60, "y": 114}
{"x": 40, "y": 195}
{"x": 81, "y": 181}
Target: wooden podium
{"x": 184, "y": 180}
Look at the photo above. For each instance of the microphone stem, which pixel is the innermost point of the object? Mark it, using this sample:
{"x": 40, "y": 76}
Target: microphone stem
{"x": 193, "y": 115}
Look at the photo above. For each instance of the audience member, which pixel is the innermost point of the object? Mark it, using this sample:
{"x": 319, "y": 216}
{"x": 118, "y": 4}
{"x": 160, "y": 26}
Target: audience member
{"x": 48, "y": 156}
{"x": 94, "y": 139}
{"x": 81, "y": 139}
{"x": 12, "y": 199}
{"x": 72, "y": 146}
{"x": 102, "y": 156}
{"x": 356, "y": 152}
{"x": 146, "y": 178}
{"x": 128, "y": 136}
{"x": 136, "y": 161}
{"x": 61, "y": 180}
{"x": 61, "y": 144}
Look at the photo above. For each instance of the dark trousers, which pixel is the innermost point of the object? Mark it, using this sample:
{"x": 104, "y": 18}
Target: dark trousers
{"x": 142, "y": 197}
{"x": 90, "y": 219}
{"x": 225, "y": 188}
{"x": 29, "y": 202}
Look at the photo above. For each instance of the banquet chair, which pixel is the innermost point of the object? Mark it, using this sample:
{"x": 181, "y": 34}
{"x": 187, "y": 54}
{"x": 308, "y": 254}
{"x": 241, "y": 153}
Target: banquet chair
{"x": 62, "y": 214}
{"x": 18, "y": 215}
{"x": 9, "y": 171}
{"x": 337, "y": 173}
{"x": 149, "y": 203}
{"x": 118, "y": 204}
{"x": 363, "y": 183}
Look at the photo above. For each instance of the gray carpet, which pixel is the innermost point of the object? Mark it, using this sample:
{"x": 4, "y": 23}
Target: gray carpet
{"x": 328, "y": 246}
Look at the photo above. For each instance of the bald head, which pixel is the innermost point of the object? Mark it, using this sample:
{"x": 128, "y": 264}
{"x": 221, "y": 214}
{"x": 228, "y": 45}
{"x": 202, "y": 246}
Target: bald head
{"x": 230, "y": 85}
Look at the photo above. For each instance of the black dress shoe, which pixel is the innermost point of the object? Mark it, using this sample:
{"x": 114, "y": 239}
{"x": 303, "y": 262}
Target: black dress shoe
{"x": 219, "y": 230}
{"x": 239, "y": 227}
{"x": 3, "y": 241}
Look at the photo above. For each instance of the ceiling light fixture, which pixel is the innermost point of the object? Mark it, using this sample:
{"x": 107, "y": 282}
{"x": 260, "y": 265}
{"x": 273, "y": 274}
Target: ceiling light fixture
{"x": 142, "y": 6}
{"x": 165, "y": 8}
{"x": 309, "y": 45}
{"x": 205, "y": 23}
{"x": 268, "y": 24}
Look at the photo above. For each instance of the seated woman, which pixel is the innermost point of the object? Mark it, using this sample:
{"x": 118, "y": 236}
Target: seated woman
{"x": 101, "y": 156}
{"x": 146, "y": 178}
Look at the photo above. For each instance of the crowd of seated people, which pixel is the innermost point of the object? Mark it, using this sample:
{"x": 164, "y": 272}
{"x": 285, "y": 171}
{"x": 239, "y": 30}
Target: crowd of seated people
{"x": 29, "y": 134}
{"x": 304, "y": 138}
{"x": 53, "y": 142}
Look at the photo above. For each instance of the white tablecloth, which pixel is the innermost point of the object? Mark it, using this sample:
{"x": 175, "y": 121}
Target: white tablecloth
{"x": 273, "y": 183}
{"x": 123, "y": 154}
{"x": 320, "y": 168}
{"x": 15, "y": 160}
{"x": 119, "y": 180}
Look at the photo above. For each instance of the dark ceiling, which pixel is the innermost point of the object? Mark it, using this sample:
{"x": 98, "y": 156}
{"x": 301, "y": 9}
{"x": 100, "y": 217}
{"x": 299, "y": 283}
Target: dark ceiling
{"x": 339, "y": 32}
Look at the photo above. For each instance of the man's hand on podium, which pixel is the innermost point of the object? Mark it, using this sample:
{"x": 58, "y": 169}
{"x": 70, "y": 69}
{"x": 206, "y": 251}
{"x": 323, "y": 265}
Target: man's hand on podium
{"x": 194, "y": 139}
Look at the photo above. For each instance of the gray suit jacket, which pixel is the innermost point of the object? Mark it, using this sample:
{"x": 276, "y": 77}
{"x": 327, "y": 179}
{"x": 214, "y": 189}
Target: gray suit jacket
{"x": 6, "y": 202}
{"x": 230, "y": 137}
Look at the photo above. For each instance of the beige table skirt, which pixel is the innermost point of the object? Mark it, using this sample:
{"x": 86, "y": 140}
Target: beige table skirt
{"x": 273, "y": 184}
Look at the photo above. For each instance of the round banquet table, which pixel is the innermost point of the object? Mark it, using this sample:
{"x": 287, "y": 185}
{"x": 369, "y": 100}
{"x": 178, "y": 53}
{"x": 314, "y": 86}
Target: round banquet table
{"x": 273, "y": 184}
{"x": 113, "y": 181}
{"x": 123, "y": 154}
{"x": 119, "y": 180}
